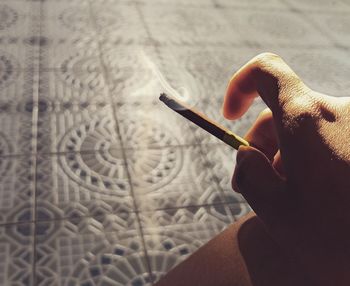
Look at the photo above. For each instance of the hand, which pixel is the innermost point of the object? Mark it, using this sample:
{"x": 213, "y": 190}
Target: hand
{"x": 296, "y": 176}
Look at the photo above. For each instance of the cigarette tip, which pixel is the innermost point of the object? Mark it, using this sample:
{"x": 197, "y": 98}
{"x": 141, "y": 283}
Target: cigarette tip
{"x": 162, "y": 96}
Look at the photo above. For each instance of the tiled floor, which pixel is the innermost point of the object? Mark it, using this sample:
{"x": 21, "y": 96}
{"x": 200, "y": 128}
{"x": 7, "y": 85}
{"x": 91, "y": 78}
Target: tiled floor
{"x": 100, "y": 184}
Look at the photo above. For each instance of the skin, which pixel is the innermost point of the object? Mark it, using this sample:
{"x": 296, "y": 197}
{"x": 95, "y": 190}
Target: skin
{"x": 296, "y": 179}
{"x": 300, "y": 166}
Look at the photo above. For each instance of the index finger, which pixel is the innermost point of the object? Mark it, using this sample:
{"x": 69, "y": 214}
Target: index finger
{"x": 267, "y": 76}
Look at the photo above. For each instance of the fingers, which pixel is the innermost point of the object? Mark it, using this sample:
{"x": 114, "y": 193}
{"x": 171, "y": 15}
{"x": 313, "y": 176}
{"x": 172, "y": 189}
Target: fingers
{"x": 258, "y": 182}
{"x": 266, "y": 75}
{"x": 262, "y": 135}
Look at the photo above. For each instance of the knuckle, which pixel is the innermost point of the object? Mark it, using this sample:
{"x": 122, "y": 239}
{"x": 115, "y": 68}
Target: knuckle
{"x": 266, "y": 65}
{"x": 267, "y": 57}
{"x": 300, "y": 111}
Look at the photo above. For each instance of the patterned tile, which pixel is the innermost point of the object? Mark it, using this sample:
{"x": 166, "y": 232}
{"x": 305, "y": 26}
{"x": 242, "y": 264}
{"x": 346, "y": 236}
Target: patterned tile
{"x": 73, "y": 117}
{"x": 17, "y": 185}
{"x": 323, "y": 70}
{"x": 16, "y": 248}
{"x": 19, "y": 18}
{"x": 17, "y": 109}
{"x": 336, "y": 25}
{"x": 191, "y": 73}
{"x": 239, "y": 210}
{"x": 72, "y": 57}
{"x": 194, "y": 3}
{"x": 276, "y": 28}
{"x": 171, "y": 177}
{"x": 188, "y": 26}
{"x": 71, "y": 130}
{"x": 131, "y": 72}
{"x": 70, "y": 37}
{"x": 81, "y": 184}
{"x": 77, "y": 79}
{"x": 19, "y": 27}
{"x": 90, "y": 251}
{"x": 252, "y": 4}
{"x": 120, "y": 24}
{"x": 172, "y": 235}
{"x": 319, "y": 5}
{"x": 221, "y": 160}
{"x": 151, "y": 126}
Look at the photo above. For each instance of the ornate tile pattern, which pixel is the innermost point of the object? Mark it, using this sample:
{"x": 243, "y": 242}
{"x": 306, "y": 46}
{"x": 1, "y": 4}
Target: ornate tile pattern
{"x": 172, "y": 177}
{"x": 273, "y": 28}
{"x": 320, "y": 6}
{"x": 81, "y": 184}
{"x": 100, "y": 183}
{"x": 104, "y": 249}
{"x": 172, "y": 235}
{"x": 17, "y": 187}
{"x": 221, "y": 160}
{"x": 323, "y": 70}
{"x": 17, "y": 259}
{"x": 18, "y": 88}
{"x": 186, "y": 29}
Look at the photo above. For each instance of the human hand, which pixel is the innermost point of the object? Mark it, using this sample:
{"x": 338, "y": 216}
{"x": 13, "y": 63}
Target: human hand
{"x": 296, "y": 177}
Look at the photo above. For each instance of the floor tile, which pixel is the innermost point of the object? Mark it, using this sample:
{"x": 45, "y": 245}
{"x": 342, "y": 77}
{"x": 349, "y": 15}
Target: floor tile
{"x": 239, "y": 210}
{"x": 172, "y": 235}
{"x": 78, "y": 78}
{"x": 336, "y": 25}
{"x": 19, "y": 28}
{"x": 17, "y": 185}
{"x": 121, "y": 24}
{"x": 171, "y": 177}
{"x": 188, "y": 26}
{"x": 72, "y": 56}
{"x": 221, "y": 160}
{"x": 81, "y": 184}
{"x": 69, "y": 116}
{"x": 190, "y": 73}
{"x": 276, "y": 28}
{"x": 319, "y": 5}
{"x": 151, "y": 126}
{"x": 105, "y": 250}
{"x": 252, "y": 4}
{"x": 71, "y": 130}
{"x": 323, "y": 70}
{"x": 19, "y": 18}
{"x": 17, "y": 54}
{"x": 16, "y": 248}
{"x": 17, "y": 91}
{"x": 70, "y": 36}
{"x": 194, "y": 3}
{"x": 130, "y": 72}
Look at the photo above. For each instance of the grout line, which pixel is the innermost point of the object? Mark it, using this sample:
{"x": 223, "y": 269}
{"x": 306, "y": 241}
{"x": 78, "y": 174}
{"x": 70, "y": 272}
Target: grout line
{"x": 157, "y": 52}
{"x": 20, "y": 155}
{"x": 59, "y": 219}
{"x": 35, "y": 114}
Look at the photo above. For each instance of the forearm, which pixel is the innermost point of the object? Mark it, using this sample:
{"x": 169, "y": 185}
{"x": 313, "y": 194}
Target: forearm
{"x": 242, "y": 255}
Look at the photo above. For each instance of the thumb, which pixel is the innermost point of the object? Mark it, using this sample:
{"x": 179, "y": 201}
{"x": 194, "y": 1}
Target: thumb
{"x": 258, "y": 182}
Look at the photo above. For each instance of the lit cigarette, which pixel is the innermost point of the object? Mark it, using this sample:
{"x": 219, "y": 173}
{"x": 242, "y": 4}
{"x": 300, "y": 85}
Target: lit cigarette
{"x": 204, "y": 122}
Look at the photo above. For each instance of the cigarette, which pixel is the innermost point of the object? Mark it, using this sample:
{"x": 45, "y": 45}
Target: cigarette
{"x": 204, "y": 122}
